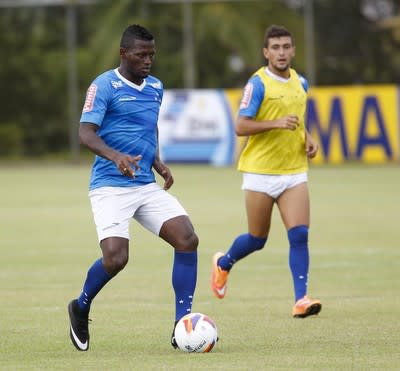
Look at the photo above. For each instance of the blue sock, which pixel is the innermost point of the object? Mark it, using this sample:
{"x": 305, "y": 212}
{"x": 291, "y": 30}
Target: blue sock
{"x": 299, "y": 259}
{"x": 184, "y": 277}
{"x": 96, "y": 278}
{"x": 243, "y": 245}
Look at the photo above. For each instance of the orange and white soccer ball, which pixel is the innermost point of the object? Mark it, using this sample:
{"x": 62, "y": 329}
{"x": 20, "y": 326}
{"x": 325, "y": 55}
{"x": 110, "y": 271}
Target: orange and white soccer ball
{"x": 196, "y": 333}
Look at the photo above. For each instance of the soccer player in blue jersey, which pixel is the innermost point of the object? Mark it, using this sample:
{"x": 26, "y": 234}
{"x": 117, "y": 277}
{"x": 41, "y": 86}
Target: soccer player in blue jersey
{"x": 119, "y": 125}
{"x": 274, "y": 164}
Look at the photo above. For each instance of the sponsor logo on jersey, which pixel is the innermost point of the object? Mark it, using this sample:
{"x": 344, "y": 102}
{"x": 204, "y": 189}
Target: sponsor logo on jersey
{"x": 90, "y": 96}
{"x": 127, "y": 98}
{"x": 247, "y": 93}
{"x": 117, "y": 84}
{"x": 277, "y": 97}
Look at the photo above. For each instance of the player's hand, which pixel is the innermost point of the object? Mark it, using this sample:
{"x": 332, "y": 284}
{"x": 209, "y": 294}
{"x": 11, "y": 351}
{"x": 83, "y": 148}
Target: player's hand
{"x": 127, "y": 164}
{"x": 311, "y": 146}
{"x": 165, "y": 173}
{"x": 289, "y": 122}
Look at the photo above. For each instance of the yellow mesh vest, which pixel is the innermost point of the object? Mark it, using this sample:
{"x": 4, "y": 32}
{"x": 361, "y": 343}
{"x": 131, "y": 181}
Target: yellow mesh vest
{"x": 278, "y": 151}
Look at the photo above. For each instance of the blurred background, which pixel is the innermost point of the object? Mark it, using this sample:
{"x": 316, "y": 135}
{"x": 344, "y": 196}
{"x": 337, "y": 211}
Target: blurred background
{"x": 349, "y": 50}
{"x": 51, "y": 50}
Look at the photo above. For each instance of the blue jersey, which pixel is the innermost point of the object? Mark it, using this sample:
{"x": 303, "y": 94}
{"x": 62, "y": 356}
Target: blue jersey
{"x": 127, "y": 116}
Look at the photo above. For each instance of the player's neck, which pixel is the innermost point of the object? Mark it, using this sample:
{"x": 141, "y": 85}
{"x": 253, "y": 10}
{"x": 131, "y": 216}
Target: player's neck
{"x": 280, "y": 73}
{"x": 132, "y": 78}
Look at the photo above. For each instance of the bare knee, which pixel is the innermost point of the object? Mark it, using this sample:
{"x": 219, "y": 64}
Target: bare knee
{"x": 115, "y": 255}
{"x": 115, "y": 263}
{"x": 180, "y": 234}
{"x": 187, "y": 242}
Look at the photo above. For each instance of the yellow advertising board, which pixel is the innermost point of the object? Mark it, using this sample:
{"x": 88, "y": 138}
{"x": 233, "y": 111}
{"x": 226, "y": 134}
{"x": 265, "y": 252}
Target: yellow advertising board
{"x": 350, "y": 123}
{"x": 355, "y": 123}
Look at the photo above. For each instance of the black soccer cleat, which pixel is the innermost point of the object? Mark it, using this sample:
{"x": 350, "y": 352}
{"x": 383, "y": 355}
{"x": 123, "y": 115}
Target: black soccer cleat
{"x": 79, "y": 329}
{"x": 173, "y": 341}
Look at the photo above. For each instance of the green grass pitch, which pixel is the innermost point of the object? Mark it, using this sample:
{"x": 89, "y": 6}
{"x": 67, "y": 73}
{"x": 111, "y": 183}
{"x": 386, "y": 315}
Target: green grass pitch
{"x": 48, "y": 241}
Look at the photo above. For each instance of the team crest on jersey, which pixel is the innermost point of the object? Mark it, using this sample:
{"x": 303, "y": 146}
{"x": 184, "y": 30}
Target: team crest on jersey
{"x": 156, "y": 85}
{"x": 117, "y": 84}
{"x": 247, "y": 93}
{"x": 90, "y": 96}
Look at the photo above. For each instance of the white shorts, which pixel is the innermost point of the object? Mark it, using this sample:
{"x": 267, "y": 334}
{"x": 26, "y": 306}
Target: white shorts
{"x": 114, "y": 207}
{"x": 273, "y": 185}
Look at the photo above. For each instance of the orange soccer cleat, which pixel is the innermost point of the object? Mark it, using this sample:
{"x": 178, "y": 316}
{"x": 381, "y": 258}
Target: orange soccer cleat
{"x": 219, "y": 277}
{"x": 305, "y": 307}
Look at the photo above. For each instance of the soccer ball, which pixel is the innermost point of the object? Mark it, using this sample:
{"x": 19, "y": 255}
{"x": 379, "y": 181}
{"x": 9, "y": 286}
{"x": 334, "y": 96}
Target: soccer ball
{"x": 196, "y": 333}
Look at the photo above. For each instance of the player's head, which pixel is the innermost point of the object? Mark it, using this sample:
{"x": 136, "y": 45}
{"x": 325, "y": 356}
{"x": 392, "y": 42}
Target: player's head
{"x": 137, "y": 49}
{"x": 132, "y": 33}
{"x": 279, "y": 49}
{"x": 276, "y": 31}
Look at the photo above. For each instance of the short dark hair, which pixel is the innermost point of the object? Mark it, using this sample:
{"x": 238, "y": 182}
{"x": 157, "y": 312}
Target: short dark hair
{"x": 134, "y": 32}
{"x": 276, "y": 31}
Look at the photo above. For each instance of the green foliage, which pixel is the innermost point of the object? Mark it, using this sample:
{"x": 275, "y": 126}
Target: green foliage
{"x": 223, "y": 30}
{"x": 33, "y": 76}
{"x": 351, "y": 48}
{"x": 10, "y": 140}
{"x": 48, "y": 241}
{"x": 166, "y": 24}
{"x": 34, "y": 73}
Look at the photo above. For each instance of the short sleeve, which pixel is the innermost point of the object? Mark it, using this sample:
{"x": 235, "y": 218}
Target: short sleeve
{"x": 96, "y": 102}
{"x": 252, "y": 97}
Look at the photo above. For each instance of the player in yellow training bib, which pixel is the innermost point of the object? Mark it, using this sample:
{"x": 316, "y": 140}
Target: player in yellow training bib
{"x": 274, "y": 164}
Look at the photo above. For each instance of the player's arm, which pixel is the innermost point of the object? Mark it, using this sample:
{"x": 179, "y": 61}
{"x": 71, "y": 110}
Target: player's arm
{"x": 311, "y": 145}
{"x": 162, "y": 169}
{"x": 88, "y": 137}
{"x": 252, "y": 99}
{"x": 248, "y": 126}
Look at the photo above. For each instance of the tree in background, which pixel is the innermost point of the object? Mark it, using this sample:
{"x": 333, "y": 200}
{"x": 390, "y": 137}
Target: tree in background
{"x": 351, "y": 47}
{"x": 33, "y": 118}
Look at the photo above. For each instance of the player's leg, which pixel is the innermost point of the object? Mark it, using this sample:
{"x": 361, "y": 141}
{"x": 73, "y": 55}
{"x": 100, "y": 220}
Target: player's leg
{"x": 179, "y": 233}
{"x": 259, "y": 209}
{"x": 115, "y": 257}
{"x": 163, "y": 215}
{"x": 113, "y": 234}
{"x": 294, "y": 207}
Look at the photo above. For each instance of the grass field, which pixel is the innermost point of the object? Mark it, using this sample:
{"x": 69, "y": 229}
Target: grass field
{"x": 48, "y": 241}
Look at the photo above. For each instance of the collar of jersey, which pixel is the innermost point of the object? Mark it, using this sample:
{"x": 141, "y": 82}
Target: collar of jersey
{"x": 274, "y": 76}
{"x": 130, "y": 83}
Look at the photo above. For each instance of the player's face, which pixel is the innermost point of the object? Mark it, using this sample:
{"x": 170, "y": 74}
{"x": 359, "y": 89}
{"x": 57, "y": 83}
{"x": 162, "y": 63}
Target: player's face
{"x": 136, "y": 61}
{"x": 280, "y": 52}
